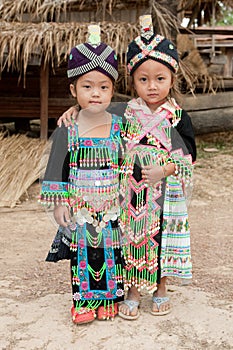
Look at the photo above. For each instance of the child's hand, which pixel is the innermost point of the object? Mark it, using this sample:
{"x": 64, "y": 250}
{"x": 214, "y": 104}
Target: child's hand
{"x": 61, "y": 215}
{"x": 152, "y": 174}
{"x": 68, "y": 116}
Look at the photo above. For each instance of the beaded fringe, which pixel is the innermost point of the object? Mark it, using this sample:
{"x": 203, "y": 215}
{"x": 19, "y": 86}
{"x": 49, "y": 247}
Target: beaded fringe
{"x": 141, "y": 280}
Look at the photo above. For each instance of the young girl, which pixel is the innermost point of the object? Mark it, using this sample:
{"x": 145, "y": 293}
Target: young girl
{"x": 82, "y": 181}
{"x": 161, "y": 149}
{"x": 155, "y": 173}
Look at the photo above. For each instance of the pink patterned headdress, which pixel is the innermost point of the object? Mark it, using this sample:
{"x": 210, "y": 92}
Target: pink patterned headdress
{"x": 151, "y": 46}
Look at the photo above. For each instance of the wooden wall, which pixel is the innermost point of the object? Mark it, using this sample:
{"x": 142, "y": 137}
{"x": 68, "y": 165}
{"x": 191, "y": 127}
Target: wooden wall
{"x": 21, "y": 99}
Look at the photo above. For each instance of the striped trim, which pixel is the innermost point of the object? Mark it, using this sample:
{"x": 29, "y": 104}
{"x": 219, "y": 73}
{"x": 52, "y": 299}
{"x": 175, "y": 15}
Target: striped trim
{"x": 95, "y": 61}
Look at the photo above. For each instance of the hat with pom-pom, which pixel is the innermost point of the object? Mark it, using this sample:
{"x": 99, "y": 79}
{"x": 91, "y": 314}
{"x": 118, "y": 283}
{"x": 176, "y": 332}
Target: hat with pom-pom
{"x": 92, "y": 55}
{"x": 151, "y": 46}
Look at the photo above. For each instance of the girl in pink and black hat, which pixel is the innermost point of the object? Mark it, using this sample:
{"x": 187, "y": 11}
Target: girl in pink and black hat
{"x": 82, "y": 183}
{"x": 160, "y": 153}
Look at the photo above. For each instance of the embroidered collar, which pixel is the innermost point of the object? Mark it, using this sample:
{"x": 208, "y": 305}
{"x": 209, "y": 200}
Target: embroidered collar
{"x": 139, "y": 104}
{"x": 157, "y": 124}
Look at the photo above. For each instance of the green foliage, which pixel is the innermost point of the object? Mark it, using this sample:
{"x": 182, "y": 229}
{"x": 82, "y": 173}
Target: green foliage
{"x": 225, "y": 17}
{"x": 211, "y": 144}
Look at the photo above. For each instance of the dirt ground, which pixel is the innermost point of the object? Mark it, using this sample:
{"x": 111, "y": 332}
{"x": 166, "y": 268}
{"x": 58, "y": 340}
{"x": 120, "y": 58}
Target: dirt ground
{"x": 35, "y": 296}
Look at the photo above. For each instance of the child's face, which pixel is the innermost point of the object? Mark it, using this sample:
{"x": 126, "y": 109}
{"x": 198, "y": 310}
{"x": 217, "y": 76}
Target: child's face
{"x": 93, "y": 90}
{"x": 152, "y": 82}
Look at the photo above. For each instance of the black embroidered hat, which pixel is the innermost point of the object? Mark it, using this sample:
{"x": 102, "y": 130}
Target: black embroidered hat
{"x": 151, "y": 46}
{"x": 92, "y": 55}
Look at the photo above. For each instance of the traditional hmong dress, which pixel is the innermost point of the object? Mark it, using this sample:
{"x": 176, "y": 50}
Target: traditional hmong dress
{"x": 90, "y": 188}
{"x": 154, "y": 219}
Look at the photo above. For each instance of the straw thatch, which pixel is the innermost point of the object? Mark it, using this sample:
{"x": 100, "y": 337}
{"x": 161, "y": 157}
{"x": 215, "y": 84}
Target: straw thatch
{"x": 41, "y": 9}
{"x": 20, "y": 166}
{"x": 53, "y": 41}
{"x": 195, "y": 63}
{"x": 48, "y": 29}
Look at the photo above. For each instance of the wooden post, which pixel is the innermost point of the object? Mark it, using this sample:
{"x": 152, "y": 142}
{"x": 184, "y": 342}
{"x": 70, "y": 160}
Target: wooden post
{"x": 44, "y": 96}
{"x": 213, "y": 25}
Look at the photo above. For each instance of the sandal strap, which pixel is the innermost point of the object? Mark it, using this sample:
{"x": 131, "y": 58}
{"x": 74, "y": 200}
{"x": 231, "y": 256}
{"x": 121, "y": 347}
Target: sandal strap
{"x": 160, "y": 300}
{"x": 131, "y": 304}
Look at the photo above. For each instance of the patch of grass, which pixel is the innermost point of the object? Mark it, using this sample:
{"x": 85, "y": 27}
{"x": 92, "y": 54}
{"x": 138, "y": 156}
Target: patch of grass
{"x": 222, "y": 142}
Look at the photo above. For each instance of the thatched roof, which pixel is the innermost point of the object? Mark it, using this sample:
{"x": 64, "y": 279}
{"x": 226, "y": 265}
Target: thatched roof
{"x": 41, "y": 10}
{"x": 48, "y": 29}
{"x": 53, "y": 41}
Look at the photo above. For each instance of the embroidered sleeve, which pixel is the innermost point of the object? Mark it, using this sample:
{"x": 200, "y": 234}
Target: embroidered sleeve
{"x": 54, "y": 187}
{"x": 53, "y": 193}
{"x": 185, "y": 129}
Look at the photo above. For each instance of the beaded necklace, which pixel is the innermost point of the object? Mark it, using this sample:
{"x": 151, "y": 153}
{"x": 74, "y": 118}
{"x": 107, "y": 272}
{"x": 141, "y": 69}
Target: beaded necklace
{"x": 97, "y": 275}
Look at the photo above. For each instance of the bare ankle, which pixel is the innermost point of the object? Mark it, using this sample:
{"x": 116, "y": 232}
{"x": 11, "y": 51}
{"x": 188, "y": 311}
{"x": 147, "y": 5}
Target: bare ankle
{"x": 133, "y": 294}
{"x": 161, "y": 290}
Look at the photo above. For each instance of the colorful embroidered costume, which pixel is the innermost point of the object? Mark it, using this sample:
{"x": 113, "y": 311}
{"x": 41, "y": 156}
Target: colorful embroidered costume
{"x": 85, "y": 178}
{"x": 90, "y": 188}
{"x": 154, "y": 219}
